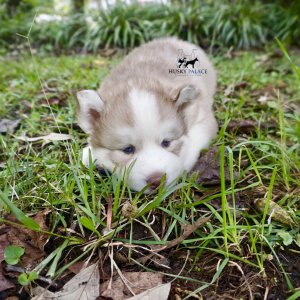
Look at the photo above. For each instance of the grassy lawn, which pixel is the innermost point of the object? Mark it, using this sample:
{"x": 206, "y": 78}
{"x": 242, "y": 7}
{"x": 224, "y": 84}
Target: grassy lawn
{"x": 249, "y": 247}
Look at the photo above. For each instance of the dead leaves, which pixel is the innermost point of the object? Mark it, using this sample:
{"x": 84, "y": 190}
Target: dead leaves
{"x": 127, "y": 285}
{"x": 231, "y": 88}
{"x": 160, "y": 292}
{"x": 135, "y": 282}
{"x": 54, "y": 98}
{"x": 83, "y": 286}
{"x": 86, "y": 283}
{"x": 9, "y": 126}
{"x": 242, "y": 126}
{"x": 208, "y": 167}
{"x": 4, "y": 283}
{"x": 275, "y": 211}
{"x": 12, "y": 233}
{"x": 247, "y": 126}
{"x": 32, "y": 241}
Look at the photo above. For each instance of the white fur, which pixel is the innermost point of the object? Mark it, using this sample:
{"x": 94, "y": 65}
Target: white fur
{"x": 147, "y": 135}
{"x": 88, "y": 99}
{"x": 144, "y": 109}
{"x": 198, "y": 138}
{"x": 148, "y": 129}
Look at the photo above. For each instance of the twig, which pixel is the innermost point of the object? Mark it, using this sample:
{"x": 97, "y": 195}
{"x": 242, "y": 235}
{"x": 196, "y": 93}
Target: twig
{"x": 187, "y": 230}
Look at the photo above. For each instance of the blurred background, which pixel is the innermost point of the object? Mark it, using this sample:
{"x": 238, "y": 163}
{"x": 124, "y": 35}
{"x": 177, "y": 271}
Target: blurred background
{"x": 89, "y": 25}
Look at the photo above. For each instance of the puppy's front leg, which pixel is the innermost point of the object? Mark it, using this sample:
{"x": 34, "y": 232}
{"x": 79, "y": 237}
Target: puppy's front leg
{"x": 198, "y": 138}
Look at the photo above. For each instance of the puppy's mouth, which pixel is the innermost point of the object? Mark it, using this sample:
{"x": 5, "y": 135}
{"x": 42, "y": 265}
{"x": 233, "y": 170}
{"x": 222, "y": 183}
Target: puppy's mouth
{"x": 102, "y": 171}
{"x": 152, "y": 183}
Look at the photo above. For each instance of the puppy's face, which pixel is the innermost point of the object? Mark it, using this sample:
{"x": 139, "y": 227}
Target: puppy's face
{"x": 143, "y": 132}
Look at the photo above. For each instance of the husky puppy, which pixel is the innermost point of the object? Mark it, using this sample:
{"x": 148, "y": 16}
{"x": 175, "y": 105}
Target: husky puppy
{"x": 149, "y": 116}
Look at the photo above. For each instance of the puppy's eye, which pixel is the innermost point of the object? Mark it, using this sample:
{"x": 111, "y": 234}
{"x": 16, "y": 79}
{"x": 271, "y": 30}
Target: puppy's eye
{"x": 165, "y": 143}
{"x": 129, "y": 150}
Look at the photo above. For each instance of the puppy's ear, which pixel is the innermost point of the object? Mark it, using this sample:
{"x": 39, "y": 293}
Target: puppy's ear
{"x": 90, "y": 106}
{"x": 185, "y": 95}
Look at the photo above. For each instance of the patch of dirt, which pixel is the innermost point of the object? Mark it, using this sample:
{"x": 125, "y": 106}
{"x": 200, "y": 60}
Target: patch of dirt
{"x": 237, "y": 281}
{"x": 7, "y": 125}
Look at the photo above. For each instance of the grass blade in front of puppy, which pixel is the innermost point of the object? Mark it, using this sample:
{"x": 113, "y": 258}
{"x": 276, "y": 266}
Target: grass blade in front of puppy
{"x": 161, "y": 196}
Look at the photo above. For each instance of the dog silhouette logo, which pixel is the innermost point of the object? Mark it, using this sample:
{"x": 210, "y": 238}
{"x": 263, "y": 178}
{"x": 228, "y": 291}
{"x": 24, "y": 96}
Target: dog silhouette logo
{"x": 184, "y": 60}
{"x": 188, "y": 65}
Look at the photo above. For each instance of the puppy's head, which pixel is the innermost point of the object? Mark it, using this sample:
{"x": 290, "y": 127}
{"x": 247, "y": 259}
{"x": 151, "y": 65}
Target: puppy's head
{"x": 140, "y": 130}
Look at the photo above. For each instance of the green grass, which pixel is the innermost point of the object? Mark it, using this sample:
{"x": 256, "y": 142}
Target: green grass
{"x": 242, "y": 25}
{"x": 35, "y": 177}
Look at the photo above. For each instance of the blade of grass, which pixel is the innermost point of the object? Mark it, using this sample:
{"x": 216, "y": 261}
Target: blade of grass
{"x": 269, "y": 196}
{"x": 28, "y": 222}
{"x": 225, "y": 208}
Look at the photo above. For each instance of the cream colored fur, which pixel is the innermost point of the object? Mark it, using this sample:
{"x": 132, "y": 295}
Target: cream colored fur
{"x": 142, "y": 104}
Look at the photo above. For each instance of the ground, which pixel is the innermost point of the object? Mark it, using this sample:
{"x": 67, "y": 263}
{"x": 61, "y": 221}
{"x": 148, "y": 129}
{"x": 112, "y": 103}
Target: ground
{"x": 244, "y": 197}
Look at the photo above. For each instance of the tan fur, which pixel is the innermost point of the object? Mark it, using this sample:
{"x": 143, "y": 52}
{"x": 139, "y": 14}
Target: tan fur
{"x": 141, "y": 104}
{"x": 154, "y": 77}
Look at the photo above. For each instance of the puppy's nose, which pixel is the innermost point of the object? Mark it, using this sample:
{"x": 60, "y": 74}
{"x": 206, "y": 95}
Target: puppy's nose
{"x": 154, "y": 180}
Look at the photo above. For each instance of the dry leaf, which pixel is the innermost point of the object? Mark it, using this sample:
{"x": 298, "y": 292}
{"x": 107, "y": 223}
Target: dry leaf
{"x": 263, "y": 99}
{"x": 241, "y": 85}
{"x": 26, "y": 103}
{"x": 46, "y": 138}
{"x": 268, "y": 90}
{"x": 7, "y": 125}
{"x": 51, "y": 101}
{"x": 208, "y": 167}
{"x": 100, "y": 62}
{"x": 247, "y": 126}
{"x": 32, "y": 241}
{"x": 137, "y": 281}
{"x": 4, "y": 283}
{"x": 83, "y": 286}
{"x": 76, "y": 267}
{"x": 59, "y": 98}
{"x": 229, "y": 90}
{"x": 160, "y": 292}
{"x": 276, "y": 212}
{"x": 3, "y": 243}
{"x": 242, "y": 126}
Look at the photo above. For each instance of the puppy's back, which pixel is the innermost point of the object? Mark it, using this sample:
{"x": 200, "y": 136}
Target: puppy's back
{"x": 148, "y": 68}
